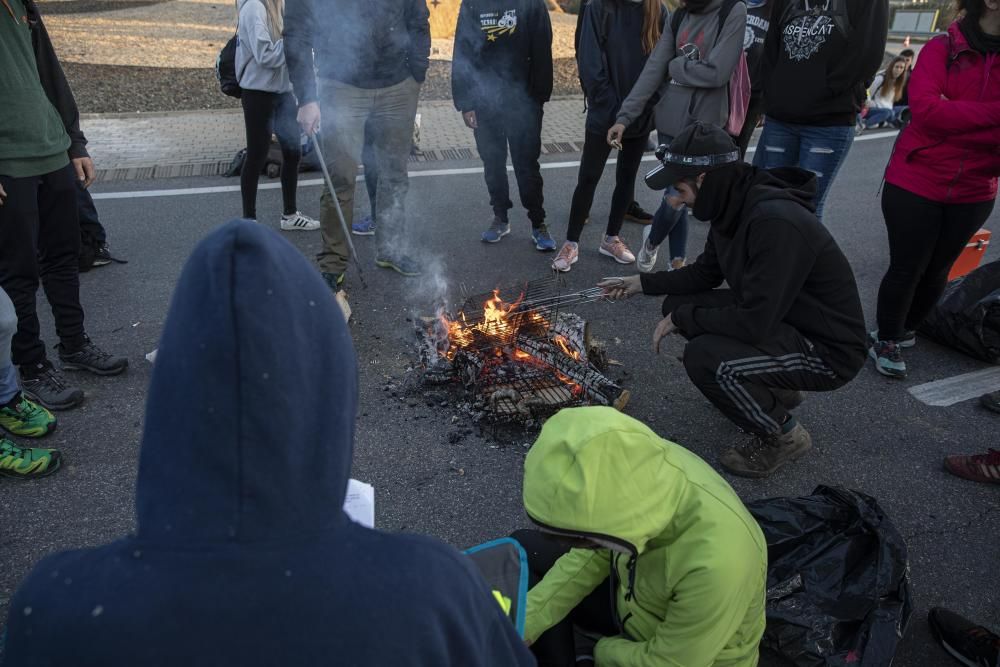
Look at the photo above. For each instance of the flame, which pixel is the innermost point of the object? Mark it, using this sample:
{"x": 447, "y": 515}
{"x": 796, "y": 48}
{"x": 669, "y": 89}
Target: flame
{"x": 564, "y": 346}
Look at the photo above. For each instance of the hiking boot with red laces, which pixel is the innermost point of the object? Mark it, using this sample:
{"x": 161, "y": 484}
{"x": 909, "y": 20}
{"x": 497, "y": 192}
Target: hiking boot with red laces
{"x": 970, "y": 644}
{"x": 978, "y": 468}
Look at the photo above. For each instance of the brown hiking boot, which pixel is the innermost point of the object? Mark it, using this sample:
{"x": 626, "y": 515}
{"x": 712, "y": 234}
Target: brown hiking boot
{"x": 763, "y": 455}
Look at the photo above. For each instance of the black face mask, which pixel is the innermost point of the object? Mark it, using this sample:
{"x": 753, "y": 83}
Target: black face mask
{"x": 697, "y": 6}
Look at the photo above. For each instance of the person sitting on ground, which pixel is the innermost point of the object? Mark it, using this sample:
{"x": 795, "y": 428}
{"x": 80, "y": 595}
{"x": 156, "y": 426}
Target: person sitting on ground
{"x": 941, "y": 182}
{"x": 501, "y": 78}
{"x": 243, "y": 554}
{"x": 687, "y": 561}
{"x": 361, "y": 63}
{"x": 43, "y": 160}
{"x": 268, "y": 104}
{"x": 884, "y": 95}
{"x": 791, "y": 319}
{"x": 19, "y": 416}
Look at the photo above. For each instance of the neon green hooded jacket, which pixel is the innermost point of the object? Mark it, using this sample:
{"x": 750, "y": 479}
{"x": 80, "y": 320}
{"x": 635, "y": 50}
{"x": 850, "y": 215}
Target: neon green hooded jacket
{"x": 688, "y": 560}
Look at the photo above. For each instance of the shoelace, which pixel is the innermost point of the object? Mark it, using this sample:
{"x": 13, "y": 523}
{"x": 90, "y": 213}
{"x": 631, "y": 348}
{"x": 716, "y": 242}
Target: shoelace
{"x": 92, "y": 351}
{"x": 8, "y": 448}
{"x": 49, "y": 377}
{"x": 566, "y": 253}
{"x": 617, "y": 245}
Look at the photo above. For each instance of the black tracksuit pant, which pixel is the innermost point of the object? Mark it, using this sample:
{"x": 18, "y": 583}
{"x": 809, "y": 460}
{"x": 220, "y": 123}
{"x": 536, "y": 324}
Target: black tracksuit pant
{"x": 40, "y": 242}
{"x": 556, "y": 647}
{"x": 740, "y": 379}
{"x": 519, "y": 126}
{"x": 595, "y": 156}
{"x": 91, "y": 229}
{"x": 925, "y": 239}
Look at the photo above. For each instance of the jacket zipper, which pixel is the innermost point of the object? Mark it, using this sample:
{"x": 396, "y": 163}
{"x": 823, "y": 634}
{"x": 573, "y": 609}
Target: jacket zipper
{"x": 990, "y": 59}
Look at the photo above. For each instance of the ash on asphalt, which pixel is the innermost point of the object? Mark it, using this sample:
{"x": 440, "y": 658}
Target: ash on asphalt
{"x": 436, "y": 476}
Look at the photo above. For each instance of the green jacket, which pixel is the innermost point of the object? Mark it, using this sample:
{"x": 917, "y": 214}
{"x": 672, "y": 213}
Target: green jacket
{"x": 696, "y": 558}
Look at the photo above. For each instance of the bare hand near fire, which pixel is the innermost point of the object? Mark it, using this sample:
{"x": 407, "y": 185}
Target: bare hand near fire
{"x": 617, "y": 289}
{"x": 663, "y": 329}
{"x": 615, "y": 135}
{"x": 470, "y": 119}
{"x": 84, "y": 167}
{"x": 309, "y": 117}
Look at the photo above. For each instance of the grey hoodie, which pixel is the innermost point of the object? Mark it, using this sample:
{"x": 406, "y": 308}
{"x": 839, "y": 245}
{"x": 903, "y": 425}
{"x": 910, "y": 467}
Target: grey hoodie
{"x": 260, "y": 61}
{"x": 690, "y": 72}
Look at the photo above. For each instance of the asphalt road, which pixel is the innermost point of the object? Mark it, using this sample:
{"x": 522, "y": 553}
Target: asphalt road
{"x": 871, "y": 436}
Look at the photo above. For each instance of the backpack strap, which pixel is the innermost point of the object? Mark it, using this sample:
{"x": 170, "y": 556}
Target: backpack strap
{"x": 836, "y": 9}
{"x": 675, "y": 22}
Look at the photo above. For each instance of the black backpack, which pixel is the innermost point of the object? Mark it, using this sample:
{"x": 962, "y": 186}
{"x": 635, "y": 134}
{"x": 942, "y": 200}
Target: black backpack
{"x": 225, "y": 69}
{"x": 602, "y": 15}
{"x": 678, "y": 17}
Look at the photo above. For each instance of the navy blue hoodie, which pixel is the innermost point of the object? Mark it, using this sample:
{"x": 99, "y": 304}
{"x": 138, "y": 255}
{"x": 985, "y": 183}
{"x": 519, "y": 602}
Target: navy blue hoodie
{"x": 243, "y": 555}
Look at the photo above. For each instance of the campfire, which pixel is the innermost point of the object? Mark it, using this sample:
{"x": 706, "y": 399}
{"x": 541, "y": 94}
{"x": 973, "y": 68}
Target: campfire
{"x": 520, "y": 354}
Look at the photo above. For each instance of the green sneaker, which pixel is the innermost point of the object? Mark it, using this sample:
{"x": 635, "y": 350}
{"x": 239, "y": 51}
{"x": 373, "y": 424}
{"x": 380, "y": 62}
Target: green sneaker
{"x": 26, "y": 419}
{"x": 27, "y": 463}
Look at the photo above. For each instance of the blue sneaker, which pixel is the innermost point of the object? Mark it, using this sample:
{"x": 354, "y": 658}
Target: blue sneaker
{"x": 498, "y": 229}
{"x": 543, "y": 240}
{"x": 888, "y": 361}
{"x": 364, "y": 227}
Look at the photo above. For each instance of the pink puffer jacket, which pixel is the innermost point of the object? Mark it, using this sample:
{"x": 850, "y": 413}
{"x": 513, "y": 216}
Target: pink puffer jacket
{"x": 950, "y": 152}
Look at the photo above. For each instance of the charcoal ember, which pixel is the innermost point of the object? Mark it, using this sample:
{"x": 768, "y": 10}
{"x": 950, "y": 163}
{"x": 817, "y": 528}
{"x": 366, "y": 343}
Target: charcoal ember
{"x": 441, "y": 371}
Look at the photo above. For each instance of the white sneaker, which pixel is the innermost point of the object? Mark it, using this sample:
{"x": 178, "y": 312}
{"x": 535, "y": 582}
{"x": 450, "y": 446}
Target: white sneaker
{"x": 646, "y": 259}
{"x": 296, "y": 222}
{"x": 615, "y": 248}
{"x": 567, "y": 257}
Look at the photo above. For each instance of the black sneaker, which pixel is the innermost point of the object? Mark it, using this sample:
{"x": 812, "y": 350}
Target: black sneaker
{"x": 637, "y": 214}
{"x": 400, "y": 264}
{"x": 91, "y": 358}
{"x": 970, "y": 644}
{"x": 43, "y": 384}
{"x": 102, "y": 256}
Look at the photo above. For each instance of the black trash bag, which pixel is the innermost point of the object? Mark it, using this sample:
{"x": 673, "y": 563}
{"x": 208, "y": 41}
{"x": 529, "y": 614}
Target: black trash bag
{"x": 838, "y": 590}
{"x": 967, "y": 317}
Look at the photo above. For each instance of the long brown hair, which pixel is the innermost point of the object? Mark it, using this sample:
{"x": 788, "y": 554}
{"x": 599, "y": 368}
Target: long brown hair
{"x": 275, "y": 17}
{"x": 894, "y": 83}
{"x": 652, "y": 14}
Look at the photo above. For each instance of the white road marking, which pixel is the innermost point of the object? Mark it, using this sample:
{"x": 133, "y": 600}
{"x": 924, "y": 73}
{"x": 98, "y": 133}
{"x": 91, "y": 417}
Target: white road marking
{"x": 423, "y": 173}
{"x": 942, "y": 393}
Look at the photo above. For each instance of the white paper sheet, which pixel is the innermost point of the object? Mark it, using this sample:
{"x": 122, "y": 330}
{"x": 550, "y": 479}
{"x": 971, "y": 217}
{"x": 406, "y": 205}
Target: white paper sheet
{"x": 360, "y": 503}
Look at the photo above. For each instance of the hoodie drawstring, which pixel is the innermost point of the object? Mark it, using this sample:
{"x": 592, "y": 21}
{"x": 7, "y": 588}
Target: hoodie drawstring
{"x": 630, "y": 592}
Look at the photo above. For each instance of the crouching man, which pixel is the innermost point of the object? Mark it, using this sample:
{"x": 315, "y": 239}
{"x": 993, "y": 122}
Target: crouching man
{"x": 641, "y": 542}
{"x": 789, "y": 321}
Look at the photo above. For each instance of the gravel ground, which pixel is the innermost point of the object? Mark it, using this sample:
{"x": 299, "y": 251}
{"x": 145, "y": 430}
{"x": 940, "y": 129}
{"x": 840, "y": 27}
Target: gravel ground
{"x": 130, "y": 89}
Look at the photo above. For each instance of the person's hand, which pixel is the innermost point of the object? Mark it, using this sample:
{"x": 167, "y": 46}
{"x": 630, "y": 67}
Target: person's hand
{"x": 470, "y": 119}
{"x": 621, "y": 288}
{"x": 615, "y": 135}
{"x": 663, "y": 329}
{"x": 308, "y": 118}
{"x": 3, "y": 195}
{"x": 85, "y": 172}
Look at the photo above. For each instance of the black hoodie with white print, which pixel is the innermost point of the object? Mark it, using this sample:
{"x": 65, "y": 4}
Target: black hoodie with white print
{"x": 820, "y": 56}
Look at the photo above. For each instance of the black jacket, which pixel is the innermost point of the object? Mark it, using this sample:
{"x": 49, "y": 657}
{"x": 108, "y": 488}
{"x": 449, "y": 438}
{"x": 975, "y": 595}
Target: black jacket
{"x": 781, "y": 263}
{"x": 243, "y": 555}
{"x": 54, "y": 82}
{"x": 758, "y": 23}
{"x": 610, "y": 58}
{"x": 503, "y": 54}
{"x": 363, "y": 43}
{"x": 817, "y": 67}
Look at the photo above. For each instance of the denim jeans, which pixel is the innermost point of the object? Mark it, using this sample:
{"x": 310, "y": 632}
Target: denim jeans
{"x": 388, "y": 114}
{"x": 8, "y": 326}
{"x": 668, "y": 221}
{"x": 877, "y": 116}
{"x": 821, "y": 150}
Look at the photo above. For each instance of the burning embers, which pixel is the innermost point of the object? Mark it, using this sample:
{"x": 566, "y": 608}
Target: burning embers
{"x": 522, "y": 359}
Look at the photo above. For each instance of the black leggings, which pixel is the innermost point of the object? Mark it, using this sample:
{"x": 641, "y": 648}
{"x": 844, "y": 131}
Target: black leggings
{"x": 595, "y": 155}
{"x": 556, "y": 647}
{"x": 925, "y": 239}
{"x": 261, "y": 112}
